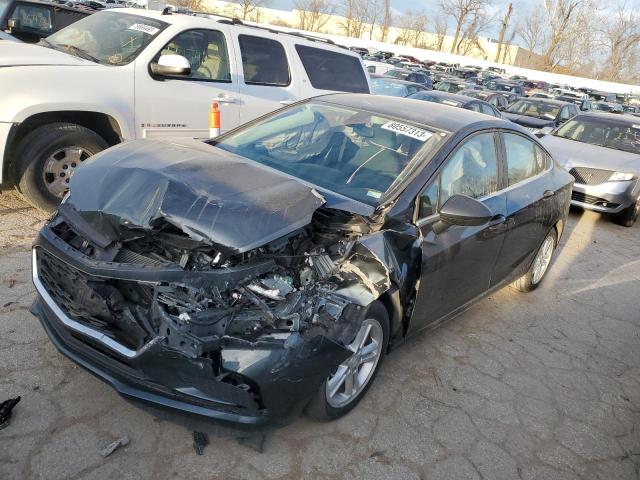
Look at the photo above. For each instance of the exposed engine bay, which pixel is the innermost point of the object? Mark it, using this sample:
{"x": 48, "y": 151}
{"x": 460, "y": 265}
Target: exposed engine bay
{"x": 293, "y": 284}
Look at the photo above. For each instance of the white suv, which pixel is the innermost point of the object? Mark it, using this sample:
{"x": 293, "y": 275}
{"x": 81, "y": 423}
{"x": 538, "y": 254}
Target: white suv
{"x": 128, "y": 73}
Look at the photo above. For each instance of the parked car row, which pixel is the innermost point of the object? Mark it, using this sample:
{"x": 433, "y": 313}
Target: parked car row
{"x": 267, "y": 271}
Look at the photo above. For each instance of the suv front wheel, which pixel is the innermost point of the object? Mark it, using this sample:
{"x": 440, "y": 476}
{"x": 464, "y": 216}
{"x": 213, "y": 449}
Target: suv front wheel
{"x": 47, "y": 158}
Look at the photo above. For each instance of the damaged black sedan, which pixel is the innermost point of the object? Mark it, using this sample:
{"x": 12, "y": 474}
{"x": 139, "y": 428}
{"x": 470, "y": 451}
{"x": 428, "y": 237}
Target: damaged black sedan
{"x": 244, "y": 279}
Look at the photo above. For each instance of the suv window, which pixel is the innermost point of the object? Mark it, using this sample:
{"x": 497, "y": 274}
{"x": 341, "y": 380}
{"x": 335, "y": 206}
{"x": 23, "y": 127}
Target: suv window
{"x": 329, "y": 70}
{"x": 472, "y": 170}
{"x": 206, "y": 51}
{"x": 524, "y": 158}
{"x": 33, "y": 18}
{"x": 264, "y": 61}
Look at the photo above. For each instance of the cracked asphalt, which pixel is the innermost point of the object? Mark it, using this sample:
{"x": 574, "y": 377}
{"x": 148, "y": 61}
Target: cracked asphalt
{"x": 541, "y": 386}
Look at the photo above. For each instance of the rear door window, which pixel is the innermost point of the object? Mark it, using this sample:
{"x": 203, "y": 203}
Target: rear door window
{"x": 264, "y": 61}
{"x": 329, "y": 70}
{"x": 524, "y": 158}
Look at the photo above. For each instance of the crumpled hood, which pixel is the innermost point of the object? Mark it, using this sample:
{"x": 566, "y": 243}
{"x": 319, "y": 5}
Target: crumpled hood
{"x": 526, "y": 121}
{"x": 208, "y": 193}
{"x": 21, "y": 54}
{"x": 571, "y": 154}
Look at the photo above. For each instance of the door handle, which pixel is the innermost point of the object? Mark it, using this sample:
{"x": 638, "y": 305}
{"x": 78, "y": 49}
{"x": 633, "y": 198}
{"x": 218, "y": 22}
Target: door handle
{"x": 497, "y": 221}
{"x": 286, "y": 102}
{"x": 548, "y": 194}
{"x": 226, "y": 99}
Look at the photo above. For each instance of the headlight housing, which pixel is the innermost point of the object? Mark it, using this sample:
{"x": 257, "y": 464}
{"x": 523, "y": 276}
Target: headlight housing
{"x": 620, "y": 177}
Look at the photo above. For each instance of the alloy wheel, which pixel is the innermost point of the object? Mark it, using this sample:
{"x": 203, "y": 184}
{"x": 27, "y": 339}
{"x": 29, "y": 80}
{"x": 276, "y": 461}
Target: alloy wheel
{"x": 352, "y": 376}
{"x": 543, "y": 259}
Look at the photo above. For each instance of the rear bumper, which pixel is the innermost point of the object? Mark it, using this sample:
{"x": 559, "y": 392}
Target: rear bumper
{"x": 608, "y": 197}
{"x": 278, "y": 372}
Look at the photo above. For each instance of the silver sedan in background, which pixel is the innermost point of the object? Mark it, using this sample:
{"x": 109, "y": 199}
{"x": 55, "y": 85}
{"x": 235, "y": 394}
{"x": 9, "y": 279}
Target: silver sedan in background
{"x": 602, "y": 152}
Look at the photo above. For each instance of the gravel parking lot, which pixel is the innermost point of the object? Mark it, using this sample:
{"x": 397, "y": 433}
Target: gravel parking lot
{"x": 542, "y": 386}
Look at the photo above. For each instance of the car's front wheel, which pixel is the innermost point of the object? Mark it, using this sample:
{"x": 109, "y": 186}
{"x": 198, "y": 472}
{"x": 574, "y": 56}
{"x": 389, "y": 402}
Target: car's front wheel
{"x": 530, "y": 280}
{"x": 629, "y": 215}
{"x": 47, "y": 158}
{"x": 345, "y": 387}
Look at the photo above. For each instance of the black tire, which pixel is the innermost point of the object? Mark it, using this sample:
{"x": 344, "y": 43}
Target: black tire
{"x": 318, "y": 407}
{"x": 526, "y": 282}
{"x": 34, "y": 150}
{"x": 628, "y": 216}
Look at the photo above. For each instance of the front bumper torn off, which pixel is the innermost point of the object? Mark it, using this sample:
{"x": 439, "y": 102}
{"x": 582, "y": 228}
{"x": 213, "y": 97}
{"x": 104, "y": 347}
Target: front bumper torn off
{"x": 278, "y": 373}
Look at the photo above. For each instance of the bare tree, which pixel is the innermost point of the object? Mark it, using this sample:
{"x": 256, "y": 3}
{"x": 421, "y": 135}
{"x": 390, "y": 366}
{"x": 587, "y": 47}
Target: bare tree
{"x": 412, "y": 26}
{"x": 531, "y": 31}
{"x": 373, "y": 12}
{"x": 503, "y": 31}
{"x": 619, "y": 39}
{"x": 355, "y": 17}
{"x": 439, "y": 27}
{"x": 313, "y": 15}
{"x": 387, "y": 19}
{"x": 470, "y": 38}
{"x": 464, "y": 13}
{"x": 249, "y": 9}
{"x": 562, "y": 34}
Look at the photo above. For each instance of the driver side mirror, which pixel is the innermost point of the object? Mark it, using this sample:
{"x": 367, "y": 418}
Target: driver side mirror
{"x": 171, "y": 66}
{"x": 465, "y": 211}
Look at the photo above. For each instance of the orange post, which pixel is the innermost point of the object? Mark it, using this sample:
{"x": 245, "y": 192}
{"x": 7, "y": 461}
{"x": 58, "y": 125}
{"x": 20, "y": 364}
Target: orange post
{"x": 214, "y": 121}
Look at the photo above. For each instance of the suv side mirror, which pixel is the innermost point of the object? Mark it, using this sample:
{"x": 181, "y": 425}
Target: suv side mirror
{"x": 465, "y": 211}
{"x": 171, "y": 66}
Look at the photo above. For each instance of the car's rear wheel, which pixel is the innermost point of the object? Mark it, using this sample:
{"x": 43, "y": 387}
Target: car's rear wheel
{"x": 629, "y": 215}
{"x": 47, "y": 158}
{"x": 346, "y": 386}
{"x": 532, "y": 279}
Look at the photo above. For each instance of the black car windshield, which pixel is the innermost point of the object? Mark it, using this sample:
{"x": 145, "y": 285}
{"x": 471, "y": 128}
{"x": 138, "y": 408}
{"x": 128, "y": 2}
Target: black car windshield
{"x": 348, "y": 151}
{"x": 543, "y": 110}
{"x": 616, "y": 135}
{"x": 380, "y": 86}
{"x": 428, "y": 97}
{"x": 109, "y": 38}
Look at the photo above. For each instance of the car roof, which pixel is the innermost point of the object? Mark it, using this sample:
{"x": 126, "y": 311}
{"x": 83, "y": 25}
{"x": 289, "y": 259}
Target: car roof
{"x": 399, "y": 81}
{"x": 436, "y": 115}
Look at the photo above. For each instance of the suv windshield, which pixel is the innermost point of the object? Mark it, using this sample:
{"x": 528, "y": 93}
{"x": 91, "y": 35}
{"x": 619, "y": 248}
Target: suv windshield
{"x": 109, "y": 38}
{"x": 546, "y": 111}
{"x": 619, "y": 136}
{"x": 351, "y": 152}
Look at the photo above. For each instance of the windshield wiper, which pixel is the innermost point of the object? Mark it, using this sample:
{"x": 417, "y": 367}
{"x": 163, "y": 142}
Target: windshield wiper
{"x": 46, "y": 43}
{"x": 76, "y": 51}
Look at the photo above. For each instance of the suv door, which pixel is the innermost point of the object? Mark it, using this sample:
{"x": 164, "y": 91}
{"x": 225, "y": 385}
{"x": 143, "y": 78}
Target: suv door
{"x": 528, "y": 169}
{"x": 457, "y": 261}
{"x": 179, "y": 105}
{"x": 266, "y": 83}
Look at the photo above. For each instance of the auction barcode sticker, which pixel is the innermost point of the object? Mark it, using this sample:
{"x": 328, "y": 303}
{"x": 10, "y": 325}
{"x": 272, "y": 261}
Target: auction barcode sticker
{"x": 408, "y": 131}
{"x": 141, "y": 27}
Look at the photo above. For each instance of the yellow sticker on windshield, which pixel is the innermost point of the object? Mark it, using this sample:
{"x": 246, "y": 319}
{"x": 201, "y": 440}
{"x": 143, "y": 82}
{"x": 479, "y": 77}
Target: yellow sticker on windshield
{"x": 408, "y": 131}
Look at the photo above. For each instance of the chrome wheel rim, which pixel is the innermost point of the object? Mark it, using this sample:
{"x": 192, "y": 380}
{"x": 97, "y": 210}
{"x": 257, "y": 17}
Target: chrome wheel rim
{"x": 353, "y": 375}
{"x": 543, "y": 259}
{"x": 60, "y": 166}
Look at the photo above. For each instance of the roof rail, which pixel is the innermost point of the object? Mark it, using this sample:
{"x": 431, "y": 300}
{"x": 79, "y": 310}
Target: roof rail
{"x": 228, "y": 20}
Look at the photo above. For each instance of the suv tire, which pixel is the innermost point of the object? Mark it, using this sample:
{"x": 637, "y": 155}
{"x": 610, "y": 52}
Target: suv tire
{"x": 51, "y": 147}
